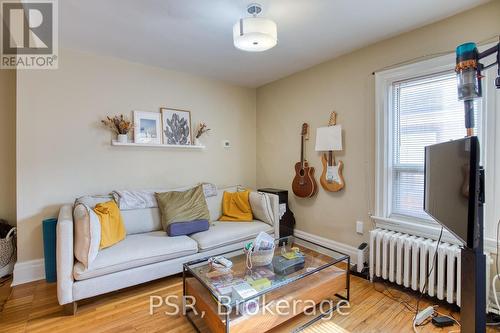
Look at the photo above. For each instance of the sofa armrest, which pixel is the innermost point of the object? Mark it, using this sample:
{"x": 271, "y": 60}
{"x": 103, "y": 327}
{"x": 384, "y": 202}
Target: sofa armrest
{"x": 275, "y": 206}
{"x": 65, "y": 256}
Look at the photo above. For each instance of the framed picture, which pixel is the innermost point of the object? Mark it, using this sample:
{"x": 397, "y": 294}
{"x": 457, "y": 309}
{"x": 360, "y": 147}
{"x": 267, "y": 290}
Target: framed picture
{"x": 147, "y": 127}
{"x": 176, "y": 126}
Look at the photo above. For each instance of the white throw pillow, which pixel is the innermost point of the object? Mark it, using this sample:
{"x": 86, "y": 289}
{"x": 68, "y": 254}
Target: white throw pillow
{"x": 261, "y": 207}
{"x": 87, "y": 234}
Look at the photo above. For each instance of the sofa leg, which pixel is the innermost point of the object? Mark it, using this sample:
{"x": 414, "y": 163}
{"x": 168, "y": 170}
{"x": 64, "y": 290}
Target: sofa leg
{"x": 70, "y": 309}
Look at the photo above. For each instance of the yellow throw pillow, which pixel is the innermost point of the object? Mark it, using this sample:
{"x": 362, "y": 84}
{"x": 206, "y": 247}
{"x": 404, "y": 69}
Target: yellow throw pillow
{"x": 236, "y": 207}
{"x": 112, "y": 228}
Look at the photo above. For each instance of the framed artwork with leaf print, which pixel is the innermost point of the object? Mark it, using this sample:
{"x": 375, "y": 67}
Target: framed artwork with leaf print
{"x": 176, "y": 126}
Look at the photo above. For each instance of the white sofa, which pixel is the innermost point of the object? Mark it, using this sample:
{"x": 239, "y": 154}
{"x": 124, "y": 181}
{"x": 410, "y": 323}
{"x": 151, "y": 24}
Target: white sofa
{"x": 147, "y": 253}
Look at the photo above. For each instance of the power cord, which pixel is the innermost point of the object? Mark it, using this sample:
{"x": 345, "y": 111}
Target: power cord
{"x": 498, "y": 271}
{"x": 435, "y": 314}
{"x": 423, "y": 324}
{"x": 493, "y": 324}
{"x": 409, "y": 307}
{"x": 434, "y": 259}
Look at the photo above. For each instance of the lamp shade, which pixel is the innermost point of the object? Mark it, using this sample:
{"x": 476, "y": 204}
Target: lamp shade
{"x": 255, "y": 34}
{"x": 329, "y": 138}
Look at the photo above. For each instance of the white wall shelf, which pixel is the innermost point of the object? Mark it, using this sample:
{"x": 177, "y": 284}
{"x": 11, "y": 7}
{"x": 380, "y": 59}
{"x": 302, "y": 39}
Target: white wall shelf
{"x": 148, "y": 145}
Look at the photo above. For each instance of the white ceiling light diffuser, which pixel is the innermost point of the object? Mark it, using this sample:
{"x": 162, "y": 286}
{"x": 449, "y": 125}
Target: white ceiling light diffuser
{"x": 255, "y": 34}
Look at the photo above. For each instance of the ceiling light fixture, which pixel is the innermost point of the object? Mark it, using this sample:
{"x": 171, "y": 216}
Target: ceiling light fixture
{"x": 255, "y": 34}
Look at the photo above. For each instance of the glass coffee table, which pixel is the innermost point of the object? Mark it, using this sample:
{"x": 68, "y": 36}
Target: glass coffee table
{"x": 263, "y": 297}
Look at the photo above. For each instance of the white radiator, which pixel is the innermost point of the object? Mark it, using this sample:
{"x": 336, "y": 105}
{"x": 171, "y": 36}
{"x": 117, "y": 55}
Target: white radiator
{"x": 406, "y": 260}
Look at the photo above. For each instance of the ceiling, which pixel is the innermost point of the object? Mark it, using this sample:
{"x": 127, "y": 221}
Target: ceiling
{"x": 195, "y": 36}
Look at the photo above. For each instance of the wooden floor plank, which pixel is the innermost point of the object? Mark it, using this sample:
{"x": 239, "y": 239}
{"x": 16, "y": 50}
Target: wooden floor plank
{"x": 33, "y": 307}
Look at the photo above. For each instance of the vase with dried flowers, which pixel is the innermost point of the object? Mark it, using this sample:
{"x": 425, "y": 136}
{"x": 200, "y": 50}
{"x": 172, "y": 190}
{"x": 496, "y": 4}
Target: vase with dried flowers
{"x": 201, "y": 130}
{"x": 119, "y": 125}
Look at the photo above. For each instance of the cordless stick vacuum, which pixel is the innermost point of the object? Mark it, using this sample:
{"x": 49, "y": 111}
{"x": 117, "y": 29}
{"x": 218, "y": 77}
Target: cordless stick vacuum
{"x": 469, "y": 77}
{"x": 473, "y": 260}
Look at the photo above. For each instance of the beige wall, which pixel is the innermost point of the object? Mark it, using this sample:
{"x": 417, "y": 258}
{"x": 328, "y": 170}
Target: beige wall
{"x": 346, "y": 85}
{"x": 8, "y": 145}
{"x": 64, "y": 152}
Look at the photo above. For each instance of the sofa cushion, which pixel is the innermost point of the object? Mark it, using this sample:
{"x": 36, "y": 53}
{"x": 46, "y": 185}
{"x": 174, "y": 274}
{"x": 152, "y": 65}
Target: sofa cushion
{"x": 182, "y": 206}
{"x": 225, "y": 233}
{"x": 140, "y": 199}
{"x": 87, "y": 234}
{"x": 136, "y": 250}
{"x": 148, "y": 219}
{"x": 138, "y": 221}
{"x": 214, "y": 203}
{"x": 261, "y": 207}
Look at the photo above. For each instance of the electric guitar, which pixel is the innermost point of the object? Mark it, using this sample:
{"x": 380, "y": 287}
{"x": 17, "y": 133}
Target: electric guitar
{"x": 304, "y": 185}
{"x": 331, "y": 178}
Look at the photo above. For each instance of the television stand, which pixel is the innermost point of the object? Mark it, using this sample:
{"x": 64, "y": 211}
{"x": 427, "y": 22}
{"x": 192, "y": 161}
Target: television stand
{"x": 473, "y": 291}
{"x": 473, "y": 274}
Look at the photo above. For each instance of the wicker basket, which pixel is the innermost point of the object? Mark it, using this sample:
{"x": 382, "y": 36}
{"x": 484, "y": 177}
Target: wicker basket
{"x": 7, "y": 253}
{"x": 259, "y": 258}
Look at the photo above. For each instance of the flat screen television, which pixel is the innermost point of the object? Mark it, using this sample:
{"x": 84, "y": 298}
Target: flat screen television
{"x": 452, "y": 187}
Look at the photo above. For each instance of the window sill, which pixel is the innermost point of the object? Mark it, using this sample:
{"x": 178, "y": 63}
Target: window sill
{"x": 425, "y": 229}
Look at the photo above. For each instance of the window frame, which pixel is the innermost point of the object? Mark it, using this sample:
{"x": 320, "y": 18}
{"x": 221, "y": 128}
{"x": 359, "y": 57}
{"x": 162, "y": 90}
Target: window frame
{"x": 407, "y": 167}
{"x": 384, "y": 149}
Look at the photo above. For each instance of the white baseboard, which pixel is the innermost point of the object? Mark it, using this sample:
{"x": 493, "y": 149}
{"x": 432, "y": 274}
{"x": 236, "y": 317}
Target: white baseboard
{"x": 28, "y": 271}
{"x": 334, "y": 245}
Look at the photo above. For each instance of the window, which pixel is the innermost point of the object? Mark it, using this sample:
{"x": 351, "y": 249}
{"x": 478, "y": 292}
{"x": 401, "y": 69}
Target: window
{"x": 425, "y": 111}
{"x": 417, "y": 105}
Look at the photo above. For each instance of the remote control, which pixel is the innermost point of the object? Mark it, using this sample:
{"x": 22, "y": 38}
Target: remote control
{"x": 223, "y": 261}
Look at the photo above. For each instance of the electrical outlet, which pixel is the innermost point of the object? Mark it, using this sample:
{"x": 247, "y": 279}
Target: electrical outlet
{"x": 226, "y": 144}
{"x": 359, "y": 227}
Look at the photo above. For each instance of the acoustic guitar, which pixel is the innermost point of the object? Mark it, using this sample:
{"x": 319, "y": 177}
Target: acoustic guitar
{"x": 331, "y": 178}
{"x": 304, "y": 185}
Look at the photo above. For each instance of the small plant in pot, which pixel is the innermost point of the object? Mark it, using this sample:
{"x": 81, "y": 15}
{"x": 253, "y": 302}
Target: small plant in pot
{"x": 201, "y": 130}
{"x": 119, "y": 125}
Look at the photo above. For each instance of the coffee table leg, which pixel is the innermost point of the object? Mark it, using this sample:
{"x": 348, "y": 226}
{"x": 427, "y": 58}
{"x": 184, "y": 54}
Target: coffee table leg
{"x": 192, "y": 323}
{"x": 348, "y": 276}
{"x": 184, "y": 294}
{"x": 183, "y": 281}
{"x": 316, "y": 319}
{"x": 334, "y": 307}
{"x": 347, "y": 283}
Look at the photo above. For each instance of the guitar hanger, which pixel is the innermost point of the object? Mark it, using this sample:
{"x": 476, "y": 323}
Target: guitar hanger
{"x": 333, "y": 119}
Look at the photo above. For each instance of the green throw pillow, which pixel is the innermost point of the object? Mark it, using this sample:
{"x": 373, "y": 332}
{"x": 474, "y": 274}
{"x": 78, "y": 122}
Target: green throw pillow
{"x": 183, "y": 206}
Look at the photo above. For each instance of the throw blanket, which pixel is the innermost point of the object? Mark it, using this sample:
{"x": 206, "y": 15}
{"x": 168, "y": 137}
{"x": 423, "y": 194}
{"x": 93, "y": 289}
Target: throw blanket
{"x": 128, "y": 200}
{"x": 135, "y": 199}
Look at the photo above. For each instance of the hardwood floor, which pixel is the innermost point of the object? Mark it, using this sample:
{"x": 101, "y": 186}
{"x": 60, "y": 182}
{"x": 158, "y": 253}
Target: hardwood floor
{"x": 33, "y": 307}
